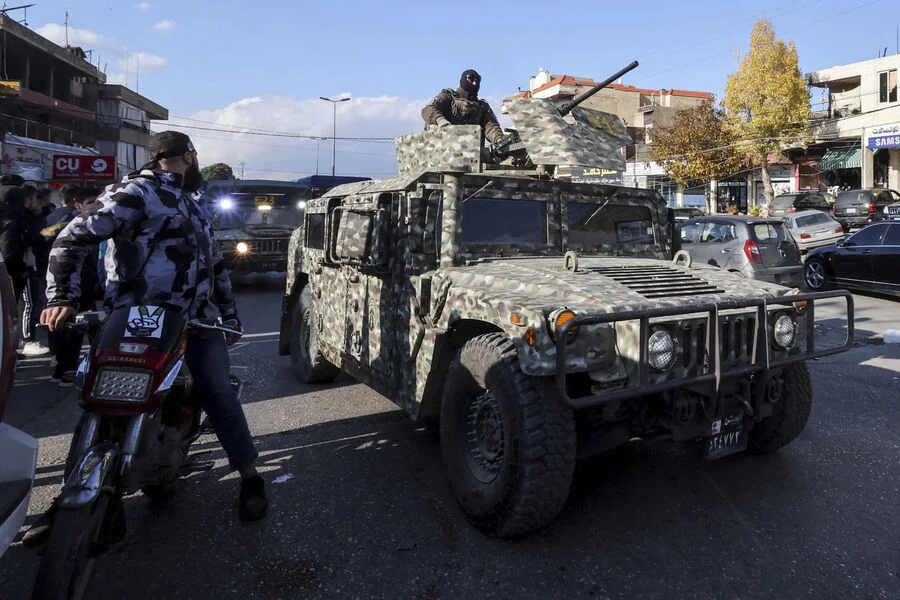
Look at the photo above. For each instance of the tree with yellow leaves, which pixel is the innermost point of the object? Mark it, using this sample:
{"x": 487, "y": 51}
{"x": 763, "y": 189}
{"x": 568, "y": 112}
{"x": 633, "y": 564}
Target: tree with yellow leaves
{"x": 766, "y": 100}
{"x": 696, "y": 148}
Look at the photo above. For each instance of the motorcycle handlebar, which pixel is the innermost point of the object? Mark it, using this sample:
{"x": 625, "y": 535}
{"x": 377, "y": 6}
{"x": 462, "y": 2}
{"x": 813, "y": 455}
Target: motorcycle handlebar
{"x": 195, "y": 324}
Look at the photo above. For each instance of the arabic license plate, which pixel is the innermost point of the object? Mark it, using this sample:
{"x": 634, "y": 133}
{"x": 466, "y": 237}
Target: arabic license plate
{"x": 729, "y": 436}
{"x": 270, "y": 266}
{"x": 851, "y": 211}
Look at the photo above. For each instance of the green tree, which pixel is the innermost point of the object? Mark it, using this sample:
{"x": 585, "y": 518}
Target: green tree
{"x": 696, "y": 148}
{"x": 766, "y": 100}
{"x": 217, "y": 171}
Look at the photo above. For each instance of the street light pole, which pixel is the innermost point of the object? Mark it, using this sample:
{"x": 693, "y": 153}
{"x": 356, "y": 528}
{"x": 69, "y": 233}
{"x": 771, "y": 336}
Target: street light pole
{"x": 318, "y": 144}
{"x": 333, "y": 126}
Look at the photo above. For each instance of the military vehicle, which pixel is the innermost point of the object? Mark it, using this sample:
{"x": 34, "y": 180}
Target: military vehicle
{"x": 538, "y": 320}
{"x": 253, "y": 221}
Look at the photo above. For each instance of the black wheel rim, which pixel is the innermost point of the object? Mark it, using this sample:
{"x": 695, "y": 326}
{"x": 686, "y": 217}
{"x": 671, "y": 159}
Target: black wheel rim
{"x": 484, "y": 437}
{"x": 815, "y": 274}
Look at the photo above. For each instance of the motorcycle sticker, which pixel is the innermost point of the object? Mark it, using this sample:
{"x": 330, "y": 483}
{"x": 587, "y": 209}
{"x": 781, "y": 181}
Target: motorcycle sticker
{"x": 144, "y": 322}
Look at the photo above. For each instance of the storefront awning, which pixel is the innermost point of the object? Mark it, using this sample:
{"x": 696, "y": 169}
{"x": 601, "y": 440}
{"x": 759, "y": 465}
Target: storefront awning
{"x": 841, "y": 158}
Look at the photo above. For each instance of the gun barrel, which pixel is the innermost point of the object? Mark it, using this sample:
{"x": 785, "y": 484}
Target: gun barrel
{"x": 568, "y": 106}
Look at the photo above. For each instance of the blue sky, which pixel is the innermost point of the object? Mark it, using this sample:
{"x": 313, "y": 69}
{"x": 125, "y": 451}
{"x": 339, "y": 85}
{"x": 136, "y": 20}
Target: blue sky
{"x": 230, "y": 65}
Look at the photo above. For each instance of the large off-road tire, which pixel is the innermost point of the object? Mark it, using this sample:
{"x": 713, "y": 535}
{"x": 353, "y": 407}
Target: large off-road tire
{"x": 815, "y": 275}
{"x": 507, "y": 441}
{"x": 65, "y": 570}
{"x": 790, "y": 414}
{"x": 307, "y": 363}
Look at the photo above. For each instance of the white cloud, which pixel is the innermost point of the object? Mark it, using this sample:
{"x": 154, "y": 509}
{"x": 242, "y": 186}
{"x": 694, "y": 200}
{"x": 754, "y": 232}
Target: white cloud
{"x": 167, "y": 25}
{"x": 270, "y": 157}
{"x": 142, "y": 6}
{"x": 105, "y": 50}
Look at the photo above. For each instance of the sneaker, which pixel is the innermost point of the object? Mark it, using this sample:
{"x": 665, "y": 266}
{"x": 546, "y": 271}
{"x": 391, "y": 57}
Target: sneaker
{"x": 65, "y": 381}
{"x": 252, "y": 503}
{"x": 35, "y": 349}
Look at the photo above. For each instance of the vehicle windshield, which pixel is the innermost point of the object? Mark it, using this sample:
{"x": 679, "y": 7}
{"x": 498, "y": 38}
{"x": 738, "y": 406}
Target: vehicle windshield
{"x": 501, "y": 222}
{"x": 605, "y": 226}
{"x": 257, "y": 207}
{"x": 816, "y": 219}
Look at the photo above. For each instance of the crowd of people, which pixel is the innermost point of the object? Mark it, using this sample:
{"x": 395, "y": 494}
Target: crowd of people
{"x": 29, "y": 224}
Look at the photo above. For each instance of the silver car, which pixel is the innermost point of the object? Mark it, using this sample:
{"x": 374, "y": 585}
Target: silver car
{"x": 813, "y": 228}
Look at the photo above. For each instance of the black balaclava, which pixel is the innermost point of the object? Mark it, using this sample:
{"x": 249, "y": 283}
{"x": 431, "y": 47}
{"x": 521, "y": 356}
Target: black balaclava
{"x": 468, "y": 86}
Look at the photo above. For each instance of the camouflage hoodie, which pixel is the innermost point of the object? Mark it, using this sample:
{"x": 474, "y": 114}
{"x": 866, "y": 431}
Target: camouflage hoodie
{"x": 160, "y": 251}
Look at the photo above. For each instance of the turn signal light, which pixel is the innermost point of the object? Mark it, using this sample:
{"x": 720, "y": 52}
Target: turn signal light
{"x": 752, "y": 252}
{"x": 872, "y": 207}
{"x": 839, "y": 229}
{"x": 563, "y": 318}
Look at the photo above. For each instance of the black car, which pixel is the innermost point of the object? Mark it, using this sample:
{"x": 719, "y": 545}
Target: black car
{"x": 784, "y": 204}
{"x": 858, "y": 208}
{"x": 867, "y": 260}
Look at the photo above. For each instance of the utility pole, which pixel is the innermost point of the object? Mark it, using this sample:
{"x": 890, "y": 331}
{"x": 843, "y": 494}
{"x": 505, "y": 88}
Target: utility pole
{"x": 333, "y": 126}
{"x": 242, "y": 163}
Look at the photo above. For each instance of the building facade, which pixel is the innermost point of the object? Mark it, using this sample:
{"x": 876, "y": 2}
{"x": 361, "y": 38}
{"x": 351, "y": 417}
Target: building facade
{"x": 56, "y": 103}
{"x": 856, "y": 127}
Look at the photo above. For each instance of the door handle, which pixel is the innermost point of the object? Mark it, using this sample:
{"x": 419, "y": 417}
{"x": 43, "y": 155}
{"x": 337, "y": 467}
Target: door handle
{"x": 868, "y": 251}
{"x": 726, "y": 250}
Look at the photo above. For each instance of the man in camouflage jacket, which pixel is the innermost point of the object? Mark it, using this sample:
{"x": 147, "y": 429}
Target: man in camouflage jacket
{"x": 463, "y": 107}
{"x": 161, "y": 252}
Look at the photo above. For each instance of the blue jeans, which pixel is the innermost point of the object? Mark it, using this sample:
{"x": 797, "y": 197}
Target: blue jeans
{"x": 207, "y": 358}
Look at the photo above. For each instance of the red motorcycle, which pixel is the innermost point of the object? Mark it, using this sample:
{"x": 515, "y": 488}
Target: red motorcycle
{"x": 139, "y": 421}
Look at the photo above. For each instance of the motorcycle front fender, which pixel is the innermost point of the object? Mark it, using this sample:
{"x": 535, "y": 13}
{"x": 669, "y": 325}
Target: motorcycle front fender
{"x": 88, "y": 478}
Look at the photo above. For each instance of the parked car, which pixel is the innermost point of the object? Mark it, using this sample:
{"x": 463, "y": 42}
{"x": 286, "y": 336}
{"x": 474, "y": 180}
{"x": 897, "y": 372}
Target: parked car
{"x": 858, "y": 208}
{"x": 18, "y": 451}
{"x": 867, "y": 260}
{"x": 813, "y": 228}
{"x": 785, "y": 204}
{"x": 892, "y": 211}
{"x": 756, "y": 247}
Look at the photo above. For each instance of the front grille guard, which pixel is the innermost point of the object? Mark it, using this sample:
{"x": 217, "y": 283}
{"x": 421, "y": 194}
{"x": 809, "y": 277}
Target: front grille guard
{"x": 761, "y": 361}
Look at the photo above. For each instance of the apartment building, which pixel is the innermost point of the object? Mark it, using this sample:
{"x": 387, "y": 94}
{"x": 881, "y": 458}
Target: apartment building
{"x": 54, "y": 102}
{"x": 855, "y": 126}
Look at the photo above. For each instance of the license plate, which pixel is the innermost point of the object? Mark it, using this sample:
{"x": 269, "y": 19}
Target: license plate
{"x": 270, "y": 266}
{"x": 851, "y": 211}
{"x": 729, "y": 436}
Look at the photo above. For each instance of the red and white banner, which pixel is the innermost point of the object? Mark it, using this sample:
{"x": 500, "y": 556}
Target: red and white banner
{"x": 78, "y": 166}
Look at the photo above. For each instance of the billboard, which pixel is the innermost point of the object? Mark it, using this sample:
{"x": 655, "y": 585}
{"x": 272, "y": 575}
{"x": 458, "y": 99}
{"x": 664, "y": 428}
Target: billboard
{"x": 77, "y": 166}
{"x": 10, "y": 88}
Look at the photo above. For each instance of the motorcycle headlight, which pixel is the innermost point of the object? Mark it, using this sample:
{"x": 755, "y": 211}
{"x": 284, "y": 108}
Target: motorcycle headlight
{"x": 662, "y": 350}
{"x": 784, "y": 332}
{"x": 121, "y": 385}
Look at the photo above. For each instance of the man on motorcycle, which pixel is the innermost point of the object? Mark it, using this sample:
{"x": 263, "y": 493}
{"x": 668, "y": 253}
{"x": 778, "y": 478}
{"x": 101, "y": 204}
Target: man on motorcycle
{"x": 159, "y": 257}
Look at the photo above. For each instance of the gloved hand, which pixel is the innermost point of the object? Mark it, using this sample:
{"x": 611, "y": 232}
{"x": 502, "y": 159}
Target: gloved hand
{"x": 442, "y": 122}
{"x": 234, "y": 323}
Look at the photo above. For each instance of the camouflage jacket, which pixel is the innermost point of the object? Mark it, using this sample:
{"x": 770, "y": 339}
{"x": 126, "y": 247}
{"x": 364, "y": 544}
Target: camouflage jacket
{"x": 160, "y": 252}
{"x": 459, "y": 109}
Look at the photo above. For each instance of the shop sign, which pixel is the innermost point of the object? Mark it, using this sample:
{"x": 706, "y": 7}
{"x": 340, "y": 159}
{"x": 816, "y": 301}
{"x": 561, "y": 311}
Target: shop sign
{"x": 883, "y": 136}
{"x": 22, "y": 161}
{"x": 78, "y": 166}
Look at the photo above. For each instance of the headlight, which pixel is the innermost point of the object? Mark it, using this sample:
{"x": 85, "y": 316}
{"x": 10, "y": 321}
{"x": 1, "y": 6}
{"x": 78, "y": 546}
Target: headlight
{"x": 662, "y": 350}
{"x": 242, "y": 247}
{"x": 784, "y": 332}
{"x": 121, "y": 385}
{"x": 559, "y": 318}
{"x": 226, "y": 204}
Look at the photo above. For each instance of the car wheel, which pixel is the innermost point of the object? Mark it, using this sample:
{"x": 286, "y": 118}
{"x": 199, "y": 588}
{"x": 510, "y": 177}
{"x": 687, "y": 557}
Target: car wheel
{"x": 790, "y": 414}
{"x": 507, "y": 441}
{"x": 815, "y": 274}
{"x": 307, "y": 362}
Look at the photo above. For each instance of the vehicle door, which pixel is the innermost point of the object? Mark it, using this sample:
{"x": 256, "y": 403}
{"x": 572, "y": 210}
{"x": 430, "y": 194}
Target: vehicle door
{"x": 886, "y": 262}
{"x": 775, "y": 244}
{"x": 361, "y": 248}
{"x": 694, "y": 241}
{"x": 853, "y": 260}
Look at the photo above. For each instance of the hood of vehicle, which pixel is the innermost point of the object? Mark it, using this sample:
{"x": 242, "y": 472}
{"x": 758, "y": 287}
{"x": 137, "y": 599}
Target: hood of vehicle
{"x": 601, "y": 284}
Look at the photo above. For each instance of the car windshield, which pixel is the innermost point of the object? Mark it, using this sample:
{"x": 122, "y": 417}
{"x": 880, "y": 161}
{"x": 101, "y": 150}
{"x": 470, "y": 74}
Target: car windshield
{"x": 782, "y": 201}
{"x": 604, "y": 225}
{"x": 257, "y": 207}
{"x": 501, "y": 222}
{"x": 816, "y": 219}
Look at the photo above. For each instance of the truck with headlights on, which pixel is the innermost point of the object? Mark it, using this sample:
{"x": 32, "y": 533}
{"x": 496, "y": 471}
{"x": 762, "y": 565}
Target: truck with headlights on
{"x": 253, "y": 221}
{"x": 537, "y": 319}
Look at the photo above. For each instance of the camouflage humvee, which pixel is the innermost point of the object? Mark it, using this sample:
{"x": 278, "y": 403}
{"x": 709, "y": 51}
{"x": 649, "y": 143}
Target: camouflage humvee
{"x": 539, "y": 320}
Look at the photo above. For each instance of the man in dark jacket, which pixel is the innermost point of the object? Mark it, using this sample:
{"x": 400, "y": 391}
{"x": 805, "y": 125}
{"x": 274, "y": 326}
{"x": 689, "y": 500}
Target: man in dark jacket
{"x": 162, "y": 253}
{"x": 12, "y": 229}
{"x": 67, "y": 211}
{"x": 463, "y": 107}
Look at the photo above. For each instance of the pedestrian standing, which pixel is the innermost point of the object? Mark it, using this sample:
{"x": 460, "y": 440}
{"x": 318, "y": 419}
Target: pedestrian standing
{"x": 12, "y": 229}
{"x": 37, "y": 209}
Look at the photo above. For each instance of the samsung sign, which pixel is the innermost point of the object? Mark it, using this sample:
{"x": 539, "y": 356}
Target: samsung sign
{"x": 884, "y": 136}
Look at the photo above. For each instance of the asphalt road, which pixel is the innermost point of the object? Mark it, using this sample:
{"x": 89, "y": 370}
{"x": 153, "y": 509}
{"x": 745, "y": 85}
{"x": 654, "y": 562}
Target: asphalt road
{"x": 367, "y": 512}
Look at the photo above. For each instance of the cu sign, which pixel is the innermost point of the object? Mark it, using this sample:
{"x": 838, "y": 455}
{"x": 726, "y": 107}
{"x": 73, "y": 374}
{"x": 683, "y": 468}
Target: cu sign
{"x": 74, "y": 166}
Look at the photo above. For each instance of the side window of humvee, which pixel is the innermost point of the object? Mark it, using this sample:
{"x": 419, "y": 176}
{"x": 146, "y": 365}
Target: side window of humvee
{"x": 315, "y": 231}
